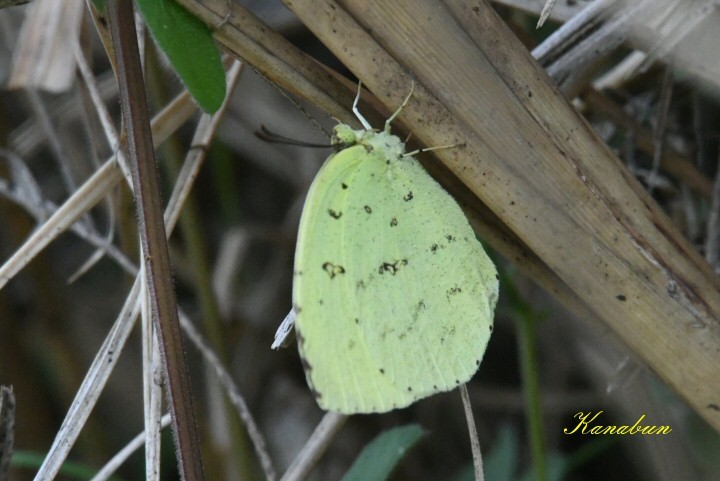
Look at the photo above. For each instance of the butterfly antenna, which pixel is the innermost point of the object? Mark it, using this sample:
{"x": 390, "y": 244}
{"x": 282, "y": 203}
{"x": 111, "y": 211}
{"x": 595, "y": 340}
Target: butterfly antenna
{"x": 402, "y": 106}
{"x": 366, "y": 125}
{"x": 269, "y": 136}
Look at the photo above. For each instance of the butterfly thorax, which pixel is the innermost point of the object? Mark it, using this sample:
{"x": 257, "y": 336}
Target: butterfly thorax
{"x": 391, "y": 145}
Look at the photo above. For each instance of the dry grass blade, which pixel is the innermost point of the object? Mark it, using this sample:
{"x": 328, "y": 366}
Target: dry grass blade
{"x": 572, "y": 51}
{"x": 89, "y": 194}
{"x": 26, "y": 139}
{"x": 121, "y": 456}
{"x": 45, "y": 42}
{"x": 678, "y": 32}
{"x": 560, "y": 12}
{"x": 545, "y": 13}
{"x": 108, "y": 127}
{"x": 474, "y": 441}
{"x": 671, "y": 161}
{"x": 24, "y": 191}
{"x": 92, "y": 191}
{"x": 233, "y": 392}
{"x": 315, "y": 447}
{"x": 274, "y": 57}
{"x": 91, "y": 387}
{"x": 152, "y": 392}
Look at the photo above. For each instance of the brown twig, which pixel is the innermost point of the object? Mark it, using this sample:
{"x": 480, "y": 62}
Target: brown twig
{"x": 152, "y": 235}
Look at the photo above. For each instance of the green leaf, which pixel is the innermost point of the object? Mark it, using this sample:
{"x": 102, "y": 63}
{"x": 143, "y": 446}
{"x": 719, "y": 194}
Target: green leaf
{"x": 377, "y": 460}
{"x": 501, "y": 464}
{"x": 189, "y": 46}
{"x": 502, "y": 461}
{"x": 70, "y": 470}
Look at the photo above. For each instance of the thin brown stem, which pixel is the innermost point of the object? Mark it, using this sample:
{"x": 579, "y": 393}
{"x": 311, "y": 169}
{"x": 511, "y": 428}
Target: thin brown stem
{"x": 152, "y": 235}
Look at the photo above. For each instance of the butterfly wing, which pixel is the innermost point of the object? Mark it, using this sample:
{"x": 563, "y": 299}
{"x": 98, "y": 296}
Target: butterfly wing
{"x": 426, "y": 286}
{"x": 394, "y": 293}
{"x": 332, "y": 347}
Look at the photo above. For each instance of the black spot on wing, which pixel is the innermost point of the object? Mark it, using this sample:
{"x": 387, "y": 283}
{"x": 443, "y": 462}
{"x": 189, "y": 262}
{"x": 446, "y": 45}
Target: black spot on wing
{"x": 407, "y": 331}
{"x": 334, "y": 214}
{"x": 450, "y": 238}
{"x": 420, "y": 306}
{"x": 387, "y": 267}
{"x": 434, "y": 248}
{"x": 368, "y": 209}
{"x": 332, "y": 269}
{"x": 453, "y": 291}
{"x": 344, "y": 185}
{"x": 393, "y": 222}
{"x": 392, "y": 267}
{"x": 408, "y": 197}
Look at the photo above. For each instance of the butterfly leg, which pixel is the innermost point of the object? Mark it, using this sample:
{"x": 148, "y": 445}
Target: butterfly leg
{"x": 428, "y": 149}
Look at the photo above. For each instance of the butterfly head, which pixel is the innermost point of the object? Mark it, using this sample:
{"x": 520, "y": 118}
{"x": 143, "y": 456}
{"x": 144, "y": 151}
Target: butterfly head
{"x": 344, "y": 136}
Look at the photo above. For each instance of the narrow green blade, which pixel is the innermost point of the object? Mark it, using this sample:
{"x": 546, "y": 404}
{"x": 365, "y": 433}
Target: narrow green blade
{"x": 377, "y": 460}
{"x": 189, "y": 46}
